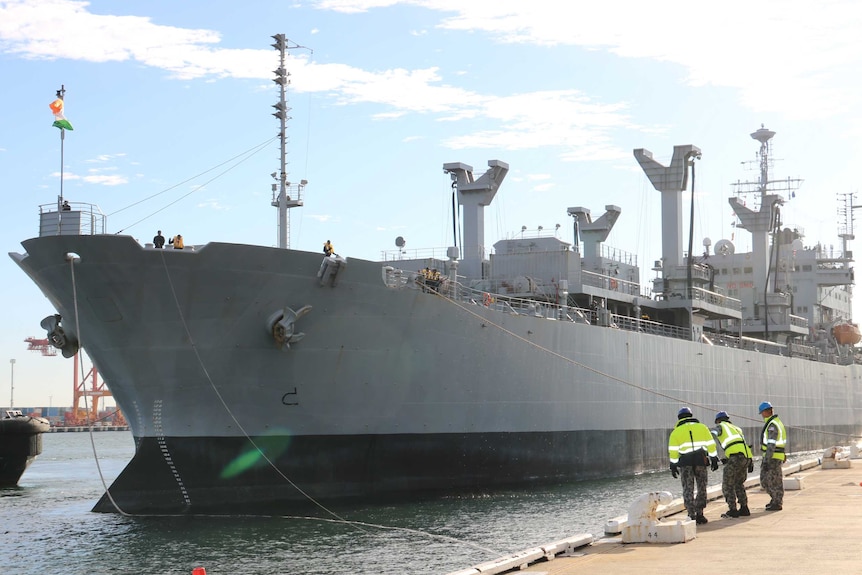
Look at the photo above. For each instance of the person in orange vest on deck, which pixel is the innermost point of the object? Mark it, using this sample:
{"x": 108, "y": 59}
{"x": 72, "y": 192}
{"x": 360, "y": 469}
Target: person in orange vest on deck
{"x": 177, "y": 242}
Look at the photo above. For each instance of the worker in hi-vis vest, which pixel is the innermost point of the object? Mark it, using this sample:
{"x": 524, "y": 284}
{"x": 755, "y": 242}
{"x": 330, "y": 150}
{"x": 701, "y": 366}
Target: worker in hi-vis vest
{"x": 738, "y": 463}
{"x": 773, "y": 440}
{"x": 691, "y": 450}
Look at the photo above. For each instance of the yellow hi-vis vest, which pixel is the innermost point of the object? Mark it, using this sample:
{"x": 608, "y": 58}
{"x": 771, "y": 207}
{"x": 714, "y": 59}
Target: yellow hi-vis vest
{"x": 688, "y": 437}
{"x": 732, "y": 440}
{"x": 779, "y": 442}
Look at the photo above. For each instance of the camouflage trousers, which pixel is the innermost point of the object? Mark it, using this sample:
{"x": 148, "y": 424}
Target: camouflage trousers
{"x": 689, "y": 476}
{"x": 733, "y": 481}
{"x": 772, "y": 479}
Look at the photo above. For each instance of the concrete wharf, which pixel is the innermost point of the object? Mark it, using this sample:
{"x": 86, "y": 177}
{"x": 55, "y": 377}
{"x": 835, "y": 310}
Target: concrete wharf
{"x": 816, "y": 533}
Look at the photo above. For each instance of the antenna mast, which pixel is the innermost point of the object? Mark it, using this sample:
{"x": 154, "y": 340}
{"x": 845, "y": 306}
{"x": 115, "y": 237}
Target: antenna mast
{"x": 285, "y": 194}
{"x": 764, "y": 185}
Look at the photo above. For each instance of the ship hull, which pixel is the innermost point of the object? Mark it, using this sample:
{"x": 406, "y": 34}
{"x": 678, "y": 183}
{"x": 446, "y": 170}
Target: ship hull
{"x": 388, "y": 392}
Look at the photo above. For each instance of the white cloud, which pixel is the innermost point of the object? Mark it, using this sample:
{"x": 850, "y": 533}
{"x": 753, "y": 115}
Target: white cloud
{"x": 354, "y": 6}
{"x": 99, "y": 179}
{"x": 787, "y": 56}
{"x": 106, "y": 179}
{"x": 104, "y": 158}
{"x": 530, "y": 120}
{"x": 66, "y": 29}
{"x": 780, "y": 56}
{"x": 320, "y": 217}
{"x": 213, "y": 204}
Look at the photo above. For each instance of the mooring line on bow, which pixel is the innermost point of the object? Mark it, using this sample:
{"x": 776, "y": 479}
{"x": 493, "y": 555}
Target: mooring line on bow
{"x": 72, "y": 258}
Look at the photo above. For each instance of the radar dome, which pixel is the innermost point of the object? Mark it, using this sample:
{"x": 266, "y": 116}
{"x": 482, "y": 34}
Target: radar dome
{"x": 724, "y": 248}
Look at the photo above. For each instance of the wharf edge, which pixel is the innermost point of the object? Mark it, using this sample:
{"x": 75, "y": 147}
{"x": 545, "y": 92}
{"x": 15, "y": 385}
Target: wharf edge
{"x": 817, "y": 532}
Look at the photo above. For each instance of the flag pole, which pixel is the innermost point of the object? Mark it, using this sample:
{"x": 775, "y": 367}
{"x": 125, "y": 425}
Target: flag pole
{"x": 60, "y": 94}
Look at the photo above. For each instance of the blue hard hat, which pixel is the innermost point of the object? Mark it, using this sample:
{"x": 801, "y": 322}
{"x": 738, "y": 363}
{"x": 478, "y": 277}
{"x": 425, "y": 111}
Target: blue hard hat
{"x": 721, "y": 415}
{"x": 764, "y": 406}
{"x": 684, "y": 412}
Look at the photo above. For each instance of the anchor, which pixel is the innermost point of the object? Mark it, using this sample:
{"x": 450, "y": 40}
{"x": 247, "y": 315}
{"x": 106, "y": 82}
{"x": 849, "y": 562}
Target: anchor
{"x": 282, "y": 326}
{"x": 67, "y": 344}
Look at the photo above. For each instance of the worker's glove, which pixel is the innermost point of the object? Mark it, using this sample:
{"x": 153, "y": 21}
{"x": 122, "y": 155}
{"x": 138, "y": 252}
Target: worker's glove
{"x": 724, "y": 461}
{"x": 751, "y": 466}
{"x": 714, "y": 463}
{"x": 674, "y": 470}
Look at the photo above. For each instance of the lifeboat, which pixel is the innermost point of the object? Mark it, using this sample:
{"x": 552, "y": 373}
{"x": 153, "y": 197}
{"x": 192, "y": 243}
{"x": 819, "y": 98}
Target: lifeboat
{"x": 847, "y": 333}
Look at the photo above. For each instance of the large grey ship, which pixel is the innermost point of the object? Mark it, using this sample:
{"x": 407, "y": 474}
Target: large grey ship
{"x": 258, "y": 378}
{"x": 262, "y": 378}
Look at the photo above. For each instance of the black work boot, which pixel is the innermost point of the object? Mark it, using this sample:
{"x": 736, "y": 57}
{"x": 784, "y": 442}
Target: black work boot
{"x": 730, "y": 513}
{"x": 743, "y": 511}
{"x": 700, "y": 519}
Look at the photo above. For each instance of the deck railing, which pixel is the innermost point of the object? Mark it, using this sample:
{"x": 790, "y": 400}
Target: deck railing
{"x": 402, "y": 279}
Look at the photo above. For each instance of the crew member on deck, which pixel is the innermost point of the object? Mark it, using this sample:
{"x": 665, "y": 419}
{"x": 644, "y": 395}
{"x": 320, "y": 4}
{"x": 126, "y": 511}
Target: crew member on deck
{"x": 328, "y": 250}
{"x": 159, "y": 240}
{"x": 434, "y": 279}
{"x": 66, "y": 206}
{"x": 177, "y": 242}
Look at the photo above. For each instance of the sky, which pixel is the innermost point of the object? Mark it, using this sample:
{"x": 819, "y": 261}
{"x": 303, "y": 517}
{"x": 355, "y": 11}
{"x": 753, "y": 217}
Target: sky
{"x": 171, "y": 108}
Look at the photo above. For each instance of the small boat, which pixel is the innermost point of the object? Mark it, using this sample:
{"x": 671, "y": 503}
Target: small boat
{"x": 20, "y": 443}
{"x": 847, "y": 333}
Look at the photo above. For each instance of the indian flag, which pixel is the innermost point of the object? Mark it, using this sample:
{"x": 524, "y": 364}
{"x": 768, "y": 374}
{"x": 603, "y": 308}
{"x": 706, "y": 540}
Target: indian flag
{"x": 60, "y": 120}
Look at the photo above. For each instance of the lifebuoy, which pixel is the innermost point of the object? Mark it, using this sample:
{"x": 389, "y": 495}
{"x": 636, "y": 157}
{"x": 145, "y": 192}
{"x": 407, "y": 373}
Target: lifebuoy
{"x": 613, "y": 283}
{"x": 486, "y": 299}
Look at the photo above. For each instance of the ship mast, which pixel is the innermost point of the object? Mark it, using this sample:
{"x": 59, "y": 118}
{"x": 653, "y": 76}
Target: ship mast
{"x": 285, "y": 194}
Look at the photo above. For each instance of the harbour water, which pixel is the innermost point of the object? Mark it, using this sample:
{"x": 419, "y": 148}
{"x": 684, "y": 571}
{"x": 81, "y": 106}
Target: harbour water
{"x": 47, "y": 525}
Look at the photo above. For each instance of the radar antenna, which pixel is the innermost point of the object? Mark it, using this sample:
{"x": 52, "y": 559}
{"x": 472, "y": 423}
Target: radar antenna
{"x": 764, "y": 186}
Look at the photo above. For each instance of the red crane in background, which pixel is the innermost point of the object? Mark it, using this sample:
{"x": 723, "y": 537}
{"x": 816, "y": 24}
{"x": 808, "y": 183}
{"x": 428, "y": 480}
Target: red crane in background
{"x": 81, "y": 415}
{"x": 40, "y": 345}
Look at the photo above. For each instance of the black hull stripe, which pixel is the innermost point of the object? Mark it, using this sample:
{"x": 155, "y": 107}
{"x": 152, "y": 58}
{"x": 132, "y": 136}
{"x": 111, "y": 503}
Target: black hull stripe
{"x": 205, "y": 477}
